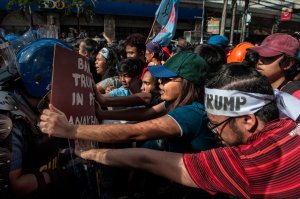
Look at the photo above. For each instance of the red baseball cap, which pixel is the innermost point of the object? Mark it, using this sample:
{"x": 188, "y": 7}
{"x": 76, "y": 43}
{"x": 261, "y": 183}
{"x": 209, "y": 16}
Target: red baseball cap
{"x": 276, "y": 44}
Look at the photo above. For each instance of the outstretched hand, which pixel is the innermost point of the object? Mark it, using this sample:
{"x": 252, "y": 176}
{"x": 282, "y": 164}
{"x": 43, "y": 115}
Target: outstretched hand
{"x": 97, "y": 155}
{"x": 55, "y": 123}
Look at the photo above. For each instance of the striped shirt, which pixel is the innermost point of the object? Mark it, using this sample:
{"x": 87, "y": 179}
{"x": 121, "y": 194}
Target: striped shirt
{"x": 267, "y": 166}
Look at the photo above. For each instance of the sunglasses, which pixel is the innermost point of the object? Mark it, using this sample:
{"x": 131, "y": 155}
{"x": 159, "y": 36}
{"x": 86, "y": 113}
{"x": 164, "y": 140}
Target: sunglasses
{"x": 268, "y": 60}
{"x": 164, "y": 81}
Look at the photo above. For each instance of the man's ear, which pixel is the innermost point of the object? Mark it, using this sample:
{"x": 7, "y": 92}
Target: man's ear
{"x": 250, "y": 122}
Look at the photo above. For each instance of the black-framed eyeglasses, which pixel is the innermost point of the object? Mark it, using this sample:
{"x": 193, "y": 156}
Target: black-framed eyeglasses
{"x": 213, "y": 127}
{"x": 170, "y": 79}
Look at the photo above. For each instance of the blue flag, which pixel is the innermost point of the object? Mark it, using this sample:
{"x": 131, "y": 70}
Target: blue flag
{"x": 163, "y": 12}
{"x": 166, "y": 16}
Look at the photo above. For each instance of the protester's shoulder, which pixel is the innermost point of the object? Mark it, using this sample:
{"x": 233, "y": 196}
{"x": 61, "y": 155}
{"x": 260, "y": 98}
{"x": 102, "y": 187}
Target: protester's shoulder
{"x": 114, "y": 78}
{"x": 297, "y": 94}
{"x": 293, "y": 88}
{"x": 190, "y": 113}
{"x": 224, "y": 153}
{"x": 121, "y": 91}
{"x": 276, "y": 131}
{"x": 281, "y": 124}
{"x": 194, "y": 107}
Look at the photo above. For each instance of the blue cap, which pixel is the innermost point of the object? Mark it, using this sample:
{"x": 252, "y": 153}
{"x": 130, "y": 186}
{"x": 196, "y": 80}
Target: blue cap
{"x": 161, "y": 71}
{"x": 218, "y": 40}
{"x": 298, "y": 55}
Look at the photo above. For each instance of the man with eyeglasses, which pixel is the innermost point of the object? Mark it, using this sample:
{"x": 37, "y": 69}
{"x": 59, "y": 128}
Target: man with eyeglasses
{"x": 277, "y": 57}
{"x": 262, "y": 156}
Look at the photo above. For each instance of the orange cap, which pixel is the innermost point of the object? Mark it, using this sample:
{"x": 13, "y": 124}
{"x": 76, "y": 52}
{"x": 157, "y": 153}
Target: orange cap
{"x": 239, "y": 52}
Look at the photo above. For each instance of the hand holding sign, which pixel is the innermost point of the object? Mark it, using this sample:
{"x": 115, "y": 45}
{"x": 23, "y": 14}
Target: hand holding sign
{"x": 72, "y": 93}
{"x": 55, "y": 123}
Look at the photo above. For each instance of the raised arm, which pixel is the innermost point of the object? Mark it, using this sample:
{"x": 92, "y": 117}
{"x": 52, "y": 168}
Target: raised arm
{"x": 134, "y": 114}
{"x": 108, "y": 39}
{"x": 136, "y": 99}
{"x": 132, "y": 100}
{"x": 54, "y": 123}
{"x": 166, "y": 164}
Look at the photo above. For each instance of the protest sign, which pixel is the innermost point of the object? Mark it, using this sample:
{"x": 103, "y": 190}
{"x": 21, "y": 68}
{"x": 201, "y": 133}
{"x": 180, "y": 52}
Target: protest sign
{"x": 72, "y": 91}
{"x": 72, "y": 86}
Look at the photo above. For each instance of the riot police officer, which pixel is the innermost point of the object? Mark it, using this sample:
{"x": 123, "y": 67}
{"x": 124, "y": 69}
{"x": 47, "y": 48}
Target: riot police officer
{"x": 34, "y": 158}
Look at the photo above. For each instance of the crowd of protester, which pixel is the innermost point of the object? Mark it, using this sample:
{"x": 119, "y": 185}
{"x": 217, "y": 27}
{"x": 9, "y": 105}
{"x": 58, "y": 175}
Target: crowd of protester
{"x": 178, "y": 121}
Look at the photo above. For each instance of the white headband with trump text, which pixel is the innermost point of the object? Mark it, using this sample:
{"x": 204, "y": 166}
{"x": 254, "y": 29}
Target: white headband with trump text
{"x": 235, "y": 103}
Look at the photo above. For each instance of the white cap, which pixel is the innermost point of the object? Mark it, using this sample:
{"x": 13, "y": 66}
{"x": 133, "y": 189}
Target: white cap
{"x": 105, "y": 53}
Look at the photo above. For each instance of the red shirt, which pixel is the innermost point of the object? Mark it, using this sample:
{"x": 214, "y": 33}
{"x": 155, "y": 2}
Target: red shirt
{"x": 292, "y": 90}
{"x": 268, "y": 166}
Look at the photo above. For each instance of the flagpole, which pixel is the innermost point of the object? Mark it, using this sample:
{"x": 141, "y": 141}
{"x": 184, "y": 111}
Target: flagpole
{"x": 151, "y": 30}
{"x": 202, "y": 22}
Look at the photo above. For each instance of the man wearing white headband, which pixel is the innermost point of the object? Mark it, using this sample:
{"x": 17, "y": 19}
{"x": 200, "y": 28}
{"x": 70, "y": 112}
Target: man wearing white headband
{"x": 262, "y": 156}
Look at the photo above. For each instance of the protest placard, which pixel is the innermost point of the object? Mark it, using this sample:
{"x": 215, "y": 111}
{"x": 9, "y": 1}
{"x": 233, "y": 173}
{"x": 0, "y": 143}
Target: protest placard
{"x": 72, "y": 90}
{"x": 72, "y": 86}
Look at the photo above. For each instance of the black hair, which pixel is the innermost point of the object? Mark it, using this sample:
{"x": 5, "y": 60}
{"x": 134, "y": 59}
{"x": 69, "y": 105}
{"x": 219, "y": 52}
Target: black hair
{"x": 121, "y": 49}
{"x": 286, "y": 61}
{"x": 90, "y": 46}
{"x": 111, "y": 63}
{"x": 237, "y": 76}
{"x": 158, "y": 55}
{"x": 214, "y": 56}
{"x": 187, "y": 47}
{"x": 136, "y": 40}
{"x": 293, "y": 71}
{"x": 133, "y": 67}
{"x": 251, "y": 58}
{"x": 297, "y": 35}
{"x": 190, "y": 93}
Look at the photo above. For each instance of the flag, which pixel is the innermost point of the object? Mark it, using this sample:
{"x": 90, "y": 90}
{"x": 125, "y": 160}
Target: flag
{"x": 163, "y": 12}
{"x": 166, "y": 16}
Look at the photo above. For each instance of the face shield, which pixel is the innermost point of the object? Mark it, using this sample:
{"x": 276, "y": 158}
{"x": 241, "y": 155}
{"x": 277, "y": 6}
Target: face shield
{"x": 23, "y": 40}
{"x": 7, "y": 55}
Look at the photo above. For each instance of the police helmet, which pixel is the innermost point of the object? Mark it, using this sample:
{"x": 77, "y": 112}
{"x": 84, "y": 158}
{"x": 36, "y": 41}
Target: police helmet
{"x": 34, "y": 64}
